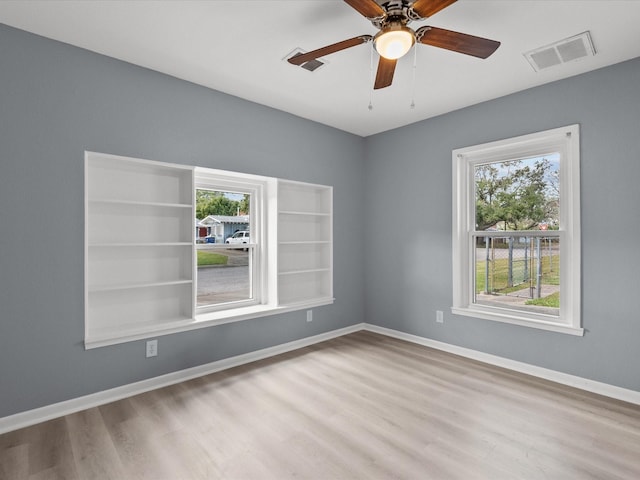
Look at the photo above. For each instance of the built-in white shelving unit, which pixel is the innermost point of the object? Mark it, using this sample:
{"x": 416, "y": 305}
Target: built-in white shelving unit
{"x": 138, "y": 248}
{"x": 140, "y": 255}
{"x": 305, "y": 247}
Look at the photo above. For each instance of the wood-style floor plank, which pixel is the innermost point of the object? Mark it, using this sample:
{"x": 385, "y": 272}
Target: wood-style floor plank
{"x": 363, "y": 406}
{"x": 94, "y": 453}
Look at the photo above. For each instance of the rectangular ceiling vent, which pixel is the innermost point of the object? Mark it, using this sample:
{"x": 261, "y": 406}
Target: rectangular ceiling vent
{"x": 311, "y": 65}
{"x": 564, "y": 51}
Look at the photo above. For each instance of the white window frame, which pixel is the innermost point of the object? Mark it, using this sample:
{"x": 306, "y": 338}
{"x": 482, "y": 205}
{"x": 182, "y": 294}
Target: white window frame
{"x": 205, "y": 179}
{"x": 566, "y": 141}
{"x": 265, "y": 301}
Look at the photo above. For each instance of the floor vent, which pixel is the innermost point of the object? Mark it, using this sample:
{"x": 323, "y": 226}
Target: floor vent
{"x": 311, "y": 65}
{"x": 564, "y": 51}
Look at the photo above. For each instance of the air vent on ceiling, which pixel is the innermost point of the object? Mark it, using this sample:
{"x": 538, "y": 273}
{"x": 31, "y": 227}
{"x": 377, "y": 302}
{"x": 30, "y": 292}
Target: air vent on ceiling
{"x": 563, "y": 51}
{"x": 311, "y": 65}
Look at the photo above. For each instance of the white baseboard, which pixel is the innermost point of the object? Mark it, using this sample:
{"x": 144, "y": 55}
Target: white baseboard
{"x": 42, "y": 414}
{"x": 600, "y": 388}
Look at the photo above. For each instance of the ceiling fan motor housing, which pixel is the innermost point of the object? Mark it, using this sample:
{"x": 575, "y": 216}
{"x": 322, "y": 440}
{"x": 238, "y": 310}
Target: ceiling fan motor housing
{"x": 395, "y": 10}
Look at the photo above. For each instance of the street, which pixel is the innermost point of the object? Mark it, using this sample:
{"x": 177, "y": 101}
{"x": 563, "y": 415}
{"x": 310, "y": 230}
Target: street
{"x": 222, "y": 284}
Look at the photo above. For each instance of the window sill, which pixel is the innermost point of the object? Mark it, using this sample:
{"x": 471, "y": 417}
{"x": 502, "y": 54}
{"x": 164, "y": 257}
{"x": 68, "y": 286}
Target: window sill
{"x": 254, "y": 311}
{"x": 209, "y": 319}
{"x": 518, "y": 320}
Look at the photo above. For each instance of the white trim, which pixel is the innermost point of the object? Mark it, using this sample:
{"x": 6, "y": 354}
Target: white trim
{"x": 258, "y": 250}
{"x": 42, "y": 414}
{"x": 612, "y": 391}
{"x": 206, "y": 319}
{"x": 515, "y": 317}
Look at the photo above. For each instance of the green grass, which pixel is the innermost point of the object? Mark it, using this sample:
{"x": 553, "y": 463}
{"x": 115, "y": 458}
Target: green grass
{"x": 498, "y": 274}
{"x": 552, "y": 300}
{"x": 208, "y": 258}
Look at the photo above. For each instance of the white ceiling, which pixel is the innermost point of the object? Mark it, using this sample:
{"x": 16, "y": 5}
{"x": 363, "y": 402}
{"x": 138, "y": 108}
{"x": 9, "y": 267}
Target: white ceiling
{"x": 238, "y": 46}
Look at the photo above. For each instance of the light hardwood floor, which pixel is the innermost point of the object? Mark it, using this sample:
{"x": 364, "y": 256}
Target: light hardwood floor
{"x": 359, "y": 406}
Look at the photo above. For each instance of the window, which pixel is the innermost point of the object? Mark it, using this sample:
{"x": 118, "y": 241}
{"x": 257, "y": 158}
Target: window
{"x": 516, "y": 231}
{"x": 260, "y": 246}
{"x": 228, "y": 242}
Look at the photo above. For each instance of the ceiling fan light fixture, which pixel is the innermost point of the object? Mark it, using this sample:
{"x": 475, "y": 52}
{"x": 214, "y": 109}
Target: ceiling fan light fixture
{"x": 394, "y": 41}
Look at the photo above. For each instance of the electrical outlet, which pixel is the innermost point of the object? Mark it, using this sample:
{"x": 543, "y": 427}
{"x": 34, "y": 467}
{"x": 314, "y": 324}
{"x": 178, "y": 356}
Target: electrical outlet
{"x": 152, "y": 348}
{"x": 309, "y": 315}
{"x": 439, "y": 316}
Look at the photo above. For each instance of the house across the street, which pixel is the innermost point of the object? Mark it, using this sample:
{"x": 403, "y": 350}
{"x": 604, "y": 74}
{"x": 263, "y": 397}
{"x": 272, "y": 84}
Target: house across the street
{"x": 216, "y": 228}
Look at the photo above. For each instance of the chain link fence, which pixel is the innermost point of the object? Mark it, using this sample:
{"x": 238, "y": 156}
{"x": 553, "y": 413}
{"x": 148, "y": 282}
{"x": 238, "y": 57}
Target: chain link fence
{"x": 516, "y": 263}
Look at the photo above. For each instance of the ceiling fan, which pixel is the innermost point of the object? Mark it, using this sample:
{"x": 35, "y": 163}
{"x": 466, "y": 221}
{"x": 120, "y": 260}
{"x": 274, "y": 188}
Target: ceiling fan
{"x": 395, "y": 38}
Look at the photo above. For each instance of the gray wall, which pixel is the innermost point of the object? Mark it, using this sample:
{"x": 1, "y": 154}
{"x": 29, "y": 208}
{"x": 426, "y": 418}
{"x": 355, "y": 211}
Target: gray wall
{"x": 408, "y": 183}
{"x": 57, "y": 101}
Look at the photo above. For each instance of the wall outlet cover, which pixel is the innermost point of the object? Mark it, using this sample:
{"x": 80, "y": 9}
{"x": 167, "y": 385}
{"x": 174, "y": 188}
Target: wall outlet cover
{"x": 152, "y": 348}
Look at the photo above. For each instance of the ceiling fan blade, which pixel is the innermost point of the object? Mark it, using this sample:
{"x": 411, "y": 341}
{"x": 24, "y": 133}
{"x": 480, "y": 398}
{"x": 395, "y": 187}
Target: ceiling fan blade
{"x": 426, "y": 8}
{"x": 335, "y": 47}
{"x": 384, "y": 76}
{"x": 457, "y": 42}
{"x": 367, "y": 8}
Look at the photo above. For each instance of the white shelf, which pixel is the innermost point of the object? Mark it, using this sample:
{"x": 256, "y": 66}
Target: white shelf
{"x": 305, "y": 198}
{"x": 305, "y": 228}
{"x": 145, "y": 244}
{"x": 138, "y": 222}
{"x": 131, "y": 203}
{"x": 139, "y": 225}
{"x": 116, "y": 308}
{"x": 306, "y": 242}
{"x": 304, "y": 286}
{"x": 125, "y": 179}
{"x": 311, "y": 214}
{"x": 305, "y": 256}
{"x": 305, "y": 245}
{"x": 298, "y": 272}
{"x": 129, "y": 286}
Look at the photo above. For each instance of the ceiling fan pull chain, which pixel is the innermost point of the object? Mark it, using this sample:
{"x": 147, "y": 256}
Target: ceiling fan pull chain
{"x": 371, "y": 79}
{"x": 413, "y": 81}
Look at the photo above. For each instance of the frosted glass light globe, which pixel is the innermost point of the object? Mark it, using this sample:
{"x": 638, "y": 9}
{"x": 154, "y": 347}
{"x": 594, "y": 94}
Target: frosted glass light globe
{"x": 394, "y": 43}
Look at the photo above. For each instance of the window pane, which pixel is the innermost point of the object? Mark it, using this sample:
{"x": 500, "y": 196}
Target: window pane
{"x": 224, "y": 250}
{"x": 224, "y": 274}
{"x": 518, "y": 194}
{"x": 518, "y": 272}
